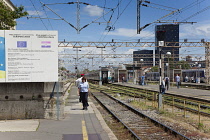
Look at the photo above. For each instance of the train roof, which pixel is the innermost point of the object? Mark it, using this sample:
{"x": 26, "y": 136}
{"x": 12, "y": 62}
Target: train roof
{"x": 188, "y": 70}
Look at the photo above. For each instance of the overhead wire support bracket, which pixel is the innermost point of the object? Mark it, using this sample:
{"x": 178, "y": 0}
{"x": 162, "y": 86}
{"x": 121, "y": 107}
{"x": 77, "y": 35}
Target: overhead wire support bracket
{"x": 59, "y": 16}
{"x": 78, "y": 28}
{"x": 138, "y": 15}
{"x": 176, "y": 22}
{"x": 140, "y": 29}
{"x": 43, "y": 18}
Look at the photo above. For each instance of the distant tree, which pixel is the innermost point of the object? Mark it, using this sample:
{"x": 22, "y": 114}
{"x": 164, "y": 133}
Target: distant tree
{"x": 63, "y": 68}
{"x": 182, "y": 65}
{"x": 7, "y": 16}
{"x": 154, "y": 69}
{"x": 188, "y": 58}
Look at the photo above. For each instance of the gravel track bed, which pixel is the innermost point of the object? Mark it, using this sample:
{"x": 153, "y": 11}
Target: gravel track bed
{"x": 142, "y": 127}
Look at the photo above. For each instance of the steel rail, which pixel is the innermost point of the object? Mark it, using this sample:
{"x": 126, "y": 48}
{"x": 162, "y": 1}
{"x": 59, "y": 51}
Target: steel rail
{"x": 177, "y": 100}
{"x": 132, "y": 133}
{"x": 157, "y": 123}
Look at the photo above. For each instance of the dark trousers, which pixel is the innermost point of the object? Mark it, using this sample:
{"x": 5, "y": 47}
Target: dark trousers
{"x": 84, "y": 98}
{"x": 167, "y": 85}
{"x": 163, "y": 90}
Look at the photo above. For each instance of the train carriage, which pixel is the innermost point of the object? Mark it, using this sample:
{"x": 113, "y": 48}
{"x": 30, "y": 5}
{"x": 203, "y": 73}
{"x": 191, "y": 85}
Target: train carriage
{"x": 193, "y": 74}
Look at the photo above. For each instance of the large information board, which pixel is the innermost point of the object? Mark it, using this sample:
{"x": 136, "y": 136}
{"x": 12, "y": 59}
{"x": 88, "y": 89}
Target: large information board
{"x": 28, "y": 56}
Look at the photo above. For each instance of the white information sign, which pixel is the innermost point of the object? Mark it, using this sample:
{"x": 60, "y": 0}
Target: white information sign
{"x": 31, "y": 56}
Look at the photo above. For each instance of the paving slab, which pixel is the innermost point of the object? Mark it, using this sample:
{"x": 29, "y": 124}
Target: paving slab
{"x": 19, "y": 125}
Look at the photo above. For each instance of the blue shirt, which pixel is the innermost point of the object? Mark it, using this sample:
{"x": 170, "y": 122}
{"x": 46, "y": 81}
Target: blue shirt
{"x": 83, "y": 87}
{"x": 177, "y": 79}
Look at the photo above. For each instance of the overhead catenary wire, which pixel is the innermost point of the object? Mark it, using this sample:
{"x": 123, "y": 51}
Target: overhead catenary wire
{"x": 156, "y": 7}
{"x": 104, "y": 10}
{"x": 195, "y": 14}
{"x": 78, "y": 3}
{"x": 38, "y": 14}
{"x": 149, "y": 2}
{"x": 191, "y": 5}
{"x": 117, "y": 17}
{"x": 46, "y": 15}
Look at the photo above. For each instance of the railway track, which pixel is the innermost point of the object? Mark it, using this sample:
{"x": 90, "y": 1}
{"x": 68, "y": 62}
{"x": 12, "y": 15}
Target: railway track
{"x": 177, "y": 102}
{"x": 140, "y": 125}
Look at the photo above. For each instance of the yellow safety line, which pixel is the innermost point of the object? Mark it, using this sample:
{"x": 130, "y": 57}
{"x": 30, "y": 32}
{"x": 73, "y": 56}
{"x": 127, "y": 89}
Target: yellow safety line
{"x": 84, "y": 131}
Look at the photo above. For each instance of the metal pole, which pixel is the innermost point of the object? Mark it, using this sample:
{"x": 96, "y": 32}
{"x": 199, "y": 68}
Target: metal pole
{"x": 77, "y": 61}
{"x": 133, "y": 75}
{"x": 100, "y": 74}
{"x": 168, "y": 69}
{"x": 138, "y": 16}
{"x": 57, "y": 103}
{"x": 78, "y": 16}
{"x": 160, "y": 79}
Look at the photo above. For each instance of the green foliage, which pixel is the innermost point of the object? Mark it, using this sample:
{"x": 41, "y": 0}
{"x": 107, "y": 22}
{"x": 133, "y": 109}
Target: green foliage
{"x": 154, "y": 69}
{"x": 63, "y": 68}
{"x": 183, "y": 65}
{"x": 200, "y": 126}
{"x": 7, "y": 16}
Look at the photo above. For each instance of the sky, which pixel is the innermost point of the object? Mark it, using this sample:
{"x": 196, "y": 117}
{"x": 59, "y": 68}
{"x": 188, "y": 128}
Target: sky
{"x": 120, "y": 17}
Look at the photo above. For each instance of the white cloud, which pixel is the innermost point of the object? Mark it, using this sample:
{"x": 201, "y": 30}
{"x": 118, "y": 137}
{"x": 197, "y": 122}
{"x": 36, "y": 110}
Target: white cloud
{"x": 196, "y": 31}
{"x": 130, "y": 33}
{"x": 35, "y": 13}
{"x": 93, "y": 10}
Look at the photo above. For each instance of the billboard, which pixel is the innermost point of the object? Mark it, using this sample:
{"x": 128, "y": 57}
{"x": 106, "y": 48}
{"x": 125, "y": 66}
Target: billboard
{"x": 28, "y": 56}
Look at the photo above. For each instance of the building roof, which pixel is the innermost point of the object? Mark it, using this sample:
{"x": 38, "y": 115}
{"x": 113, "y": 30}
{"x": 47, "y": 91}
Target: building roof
{"x": 9, "y": 4}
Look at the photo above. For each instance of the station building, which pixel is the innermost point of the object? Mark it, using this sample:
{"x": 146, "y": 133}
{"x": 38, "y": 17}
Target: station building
{"x": 170, "y": 33}
{"x": 9, "y": 4}
{"x": 145, "y": 55}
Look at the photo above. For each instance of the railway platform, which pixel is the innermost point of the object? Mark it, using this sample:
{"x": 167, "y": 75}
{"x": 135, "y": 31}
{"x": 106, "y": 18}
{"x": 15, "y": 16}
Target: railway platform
{"x": 187, "y": 92}
{"x": 78, "y": 124}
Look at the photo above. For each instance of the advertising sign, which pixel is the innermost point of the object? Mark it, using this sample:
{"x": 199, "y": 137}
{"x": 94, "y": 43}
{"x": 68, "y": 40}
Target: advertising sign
{"x": 2, "y": 58}
{"x": 30, "y": 56}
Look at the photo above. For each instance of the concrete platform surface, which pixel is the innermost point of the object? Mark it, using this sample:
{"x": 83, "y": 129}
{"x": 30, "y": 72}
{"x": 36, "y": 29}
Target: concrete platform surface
{"x": 19, "y": 125}
{"x": 78, "y": 124}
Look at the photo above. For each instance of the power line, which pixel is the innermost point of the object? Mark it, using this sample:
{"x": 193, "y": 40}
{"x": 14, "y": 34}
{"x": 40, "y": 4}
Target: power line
{"x": 195, "y": 14}
{"x": 46, "y": 15}
{"x": 158, "y": 4}
{"x": 118, "y": 15}
{"x": 38, "y": 14}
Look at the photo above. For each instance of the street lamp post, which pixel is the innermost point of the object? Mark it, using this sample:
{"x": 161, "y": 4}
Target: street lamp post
{"x": 87, "y": 66}
{"x": 141, "y": 74}
{"x": 160, "y": 44}
{"x": 197, "y": 80}
{"x": 134, "y": 72}
{"x": 141, "y": 61}
{"x": 76, "y": 61}
{"x": 168, "y": 67}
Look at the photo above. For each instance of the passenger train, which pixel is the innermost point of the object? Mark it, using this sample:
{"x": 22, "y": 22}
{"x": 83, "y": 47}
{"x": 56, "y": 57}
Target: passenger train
{"x": 152, "y": 76}
{"x": 108, "y": 75}
{"x": 191, "y": 74}
{"x": 188, "y": 75}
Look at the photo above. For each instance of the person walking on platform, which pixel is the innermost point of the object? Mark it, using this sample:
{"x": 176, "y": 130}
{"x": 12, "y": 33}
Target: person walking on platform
{"x": 166, "y": 83}
{"x": 77, "y": 83}
{"x": 142, "y": 80}
{"x": 163, "y": 86}
{"x": 123, "y": 79}
{"x": 83, "y": 90}
{"x": 177, "y": 80}
{"x": 186, "y": 78}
